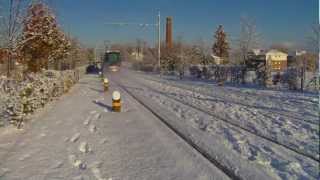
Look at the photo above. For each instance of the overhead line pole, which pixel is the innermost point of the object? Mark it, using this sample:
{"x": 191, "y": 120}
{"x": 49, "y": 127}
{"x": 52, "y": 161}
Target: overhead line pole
{"x": 159, "y": 41}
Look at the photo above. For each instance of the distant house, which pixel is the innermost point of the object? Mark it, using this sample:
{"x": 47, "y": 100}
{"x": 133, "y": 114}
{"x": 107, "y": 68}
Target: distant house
{"x": 256, "y": 59}
{"x": 138, "y": 56}
{"x": 216, "y": 59}
{"x": 277, "y": 60}
{"x": 300, "y": 53}
{"x": 256, "y": 52}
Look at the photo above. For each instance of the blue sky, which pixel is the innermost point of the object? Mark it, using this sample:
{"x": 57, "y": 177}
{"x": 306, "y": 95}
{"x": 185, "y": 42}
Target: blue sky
{"x": 278, "y": 21}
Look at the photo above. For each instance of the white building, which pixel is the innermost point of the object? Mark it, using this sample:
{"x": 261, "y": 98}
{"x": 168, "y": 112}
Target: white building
{"x": 300, "y": 53}
{"x": 257, "y": 52}
{"x": 137, "y": 56}
{"x": 277, "y": 59}
{"x": 217, "y": 60}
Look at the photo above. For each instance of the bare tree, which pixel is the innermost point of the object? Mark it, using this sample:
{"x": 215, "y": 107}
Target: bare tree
{"x": 200, "y": 53}
{"x": 249, "y": 37}
{"x": 182, "y": 61}
{"x": 313, "y": 38}
{"x": 283, "y": 47}
{"x": 314, "y": 41}
{"x": 139, "y": 47}
{"x": 11, "y": 21}
{"x": 307, "y": 61}
{"x": 221, "y": 45}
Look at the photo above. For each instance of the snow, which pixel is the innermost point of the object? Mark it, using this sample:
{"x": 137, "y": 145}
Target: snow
{"x": 78, "y": 137}
{"x": 288, "y": 118}
{"x": 283, "y": 127}
{"x": 75, "y": 137}
{"x": 132, "y": 144}
{"x": 84, "y": 147}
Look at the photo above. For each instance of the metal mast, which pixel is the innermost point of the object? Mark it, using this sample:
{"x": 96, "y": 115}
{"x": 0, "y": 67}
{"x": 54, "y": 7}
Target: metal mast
{"x": 159, "y": 41}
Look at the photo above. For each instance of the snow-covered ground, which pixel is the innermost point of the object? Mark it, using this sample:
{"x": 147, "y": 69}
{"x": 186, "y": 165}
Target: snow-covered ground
{"x": 79, "y": 138}
{"x": 291, "y": 122}
{"x": 279, "y": 131}
{"x": 256, "y": 134}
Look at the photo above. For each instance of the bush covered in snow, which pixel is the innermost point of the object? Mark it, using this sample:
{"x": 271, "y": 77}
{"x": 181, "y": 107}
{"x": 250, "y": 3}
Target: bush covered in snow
{"x": 21, "y": 98}
{"x": 291, "y": 78}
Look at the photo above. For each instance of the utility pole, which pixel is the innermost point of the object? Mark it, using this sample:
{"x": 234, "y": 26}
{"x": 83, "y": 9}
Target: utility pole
{"x": 159, "y": 41}
{"x": 107, "y": 45}
{"x": 318, "y": 77}
{"x": 10, "y": 38}
{"x": 96, "y": 52}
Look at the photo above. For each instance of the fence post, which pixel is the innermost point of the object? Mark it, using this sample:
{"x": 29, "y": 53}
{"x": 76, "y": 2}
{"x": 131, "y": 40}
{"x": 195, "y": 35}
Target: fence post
{"x": 301, "y": 79}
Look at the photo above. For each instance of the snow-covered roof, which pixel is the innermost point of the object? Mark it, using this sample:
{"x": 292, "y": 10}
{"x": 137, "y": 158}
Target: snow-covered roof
{"x": 275, "y": 51}
{"x": 257, "y": 52}
{"x": 300, "y": 52}
{"x": 215, "y": 57}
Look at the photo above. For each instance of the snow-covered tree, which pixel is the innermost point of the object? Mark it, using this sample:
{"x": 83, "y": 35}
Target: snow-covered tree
{"x": 221, "y": 46}
{"x": 42, "y": 39}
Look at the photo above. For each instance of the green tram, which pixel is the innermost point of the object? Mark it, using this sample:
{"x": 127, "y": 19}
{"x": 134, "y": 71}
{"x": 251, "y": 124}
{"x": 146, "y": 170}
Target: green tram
{"x": 112, "y": 61}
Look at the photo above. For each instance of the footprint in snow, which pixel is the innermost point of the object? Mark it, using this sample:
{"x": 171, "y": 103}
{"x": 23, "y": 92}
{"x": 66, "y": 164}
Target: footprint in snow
{"x": 92, "y": 128}
{"x": 57, "y": 165}
{"x": 96, "y": 164}
{"x": 103, "y": 141}
{"x": 75, "y": 137}
{"x": 93, "y": 112}
{"x": 87, "y": 121}
{"x": 97, "y": 117}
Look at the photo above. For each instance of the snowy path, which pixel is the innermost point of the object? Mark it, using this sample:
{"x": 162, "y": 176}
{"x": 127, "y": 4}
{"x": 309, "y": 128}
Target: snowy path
{"x": 78, "y": 138}
{"x": 276, "y": 159}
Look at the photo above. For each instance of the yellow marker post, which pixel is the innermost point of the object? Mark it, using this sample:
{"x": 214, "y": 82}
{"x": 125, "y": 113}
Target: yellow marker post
{"x": 106, "y": 84}
{"x": 116, "y": 101}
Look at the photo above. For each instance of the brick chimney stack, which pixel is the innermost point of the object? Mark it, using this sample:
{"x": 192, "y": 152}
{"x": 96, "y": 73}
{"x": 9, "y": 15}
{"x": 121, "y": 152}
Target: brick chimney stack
{"x": 169, "y": 39}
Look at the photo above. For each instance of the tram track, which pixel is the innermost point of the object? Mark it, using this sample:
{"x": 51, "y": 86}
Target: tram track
{"x": 290, "y": 115}
{"x": 236, "y": 125}
{"x": 230, "y": 173}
